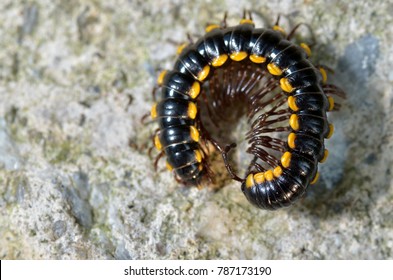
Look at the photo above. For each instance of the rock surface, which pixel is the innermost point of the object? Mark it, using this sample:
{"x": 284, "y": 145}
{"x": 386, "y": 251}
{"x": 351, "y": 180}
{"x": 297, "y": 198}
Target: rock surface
{"x": 75, "y": 178}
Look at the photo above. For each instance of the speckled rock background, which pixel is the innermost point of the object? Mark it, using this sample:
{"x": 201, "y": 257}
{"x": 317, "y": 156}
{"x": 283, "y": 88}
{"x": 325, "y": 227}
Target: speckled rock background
{"x": 75, "y": 178}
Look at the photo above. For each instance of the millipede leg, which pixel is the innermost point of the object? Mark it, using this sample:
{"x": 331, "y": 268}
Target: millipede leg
{"x": 189, "y": 38}
{"x": 224, "y": 154}
{"x": 250, "y": 15}
{"x": 227, "y": 164}
{"x": 332, "y": 89}
{"x": 178, "y": 179}
{"x": 154, "y": 92}
{"x": 293, "y": 31}
{"x": 144, "y": 117}
{"x": 223, "y": 23}
{"x": 159, "y": 156}
{"x": 278, "y": 19}
{"x": 152, "y": 139}
{"x": 149, "y": 151}
{"x": 210, "y": 173}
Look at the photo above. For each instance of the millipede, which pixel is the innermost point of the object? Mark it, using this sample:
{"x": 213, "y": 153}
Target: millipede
{"x": 271, "y": 79}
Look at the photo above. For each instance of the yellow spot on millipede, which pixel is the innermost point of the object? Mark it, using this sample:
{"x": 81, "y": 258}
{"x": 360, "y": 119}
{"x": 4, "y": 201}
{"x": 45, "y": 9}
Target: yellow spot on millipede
{"x": 279, "y": 28}
{"x": 315, "y": 179}
{"x": 157, "y": 143}
{"x": 324, "y": 74}
{"x": 291, "y": 140}
{"x": 198, "y": 156}
{"x": 277, "y": 171}
{"x": 192, "y": 110}
{"x": 269, "y": 175}
{"x": 168, "y": 166}
{"x": 325, "y": 156}
{"x": 259, "y": 178}
{"x": 250, "y": 181}
{"x": 286, "y": 85}
{"x": 257, "y": 59}
{"x": 204, "y": 73}
{"x": 331, "y": 131}
{"x": 195, "y": 90}
{"x": 292, "y": 103}
{"x": 331, "y": 103}
{"x": 211, "y": 27}
{"x": 161, "y": 77}
{"x": 180, "y": 48}
{"x": 238, "y": 56}
{"x": 294, "y": 122}
{"x": 246, "y": 21}
{"x": 153, "y": 112}
{"x": 306, "y": 48}
{"x": 220, "y": 60}
{"x": 286, "y": 159}
{"x": 194, "y": 133}
{"x": 274, "y": 69}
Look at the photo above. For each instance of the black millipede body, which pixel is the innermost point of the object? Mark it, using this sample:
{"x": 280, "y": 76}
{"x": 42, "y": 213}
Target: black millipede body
{"x": 283, "y": 92}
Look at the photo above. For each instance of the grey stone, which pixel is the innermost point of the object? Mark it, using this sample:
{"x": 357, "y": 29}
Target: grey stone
{"x": 59, "y": 228}
{"x": 9, "y": 154}
{"x": 76, "y": 181}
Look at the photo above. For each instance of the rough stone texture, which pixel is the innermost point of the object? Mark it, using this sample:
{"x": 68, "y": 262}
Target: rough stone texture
{"x": 75, "y": 178}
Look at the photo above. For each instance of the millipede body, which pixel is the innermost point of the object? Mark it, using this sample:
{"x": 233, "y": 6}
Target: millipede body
{"x": 282, "y": 92}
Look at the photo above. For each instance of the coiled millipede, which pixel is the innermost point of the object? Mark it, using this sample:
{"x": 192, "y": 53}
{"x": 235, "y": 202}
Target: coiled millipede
{"x": 281, "y": 91}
